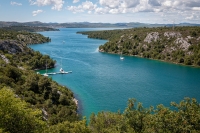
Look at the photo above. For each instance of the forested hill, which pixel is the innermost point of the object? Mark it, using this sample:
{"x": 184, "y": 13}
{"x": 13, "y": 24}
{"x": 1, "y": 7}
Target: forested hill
{"x": 177, "y": 45}
{"x": 13, "y": 45}
{"x": 23, "y": 36}
{"x": 30, "y": 102}
{"x": 28, "y": 28}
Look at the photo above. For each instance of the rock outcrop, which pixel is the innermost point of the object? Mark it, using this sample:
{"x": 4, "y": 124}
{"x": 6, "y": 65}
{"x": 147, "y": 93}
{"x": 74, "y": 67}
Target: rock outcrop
{"x": 11, "y": 46}
{"x": 172, "y": 34}
{"x": 153, "y": 36}
{"x": 183, "y": 43}
{"x": 4, "y": 58}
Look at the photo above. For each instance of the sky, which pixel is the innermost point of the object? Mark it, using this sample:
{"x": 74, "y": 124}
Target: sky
{"x": 105, "y": 11}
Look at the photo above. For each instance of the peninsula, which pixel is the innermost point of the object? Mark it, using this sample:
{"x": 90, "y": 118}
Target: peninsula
{"x": 180, "y": 45}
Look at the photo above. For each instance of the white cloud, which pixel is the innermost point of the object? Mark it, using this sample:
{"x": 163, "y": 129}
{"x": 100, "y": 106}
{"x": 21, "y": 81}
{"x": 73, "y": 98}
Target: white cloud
{"x": 75, "y": 9}
{"x": 196, "y": 8}
{"x": 56, "y": 4}
{"x": 144, "y": 6}
{"x": 75, "y": 1}
{"x": 110, "y": 3}
{"x": 35, "y": 13}
{"x": 166, "y": 9}
{"x": 114, "y": 11}
{"x": 100, "y": 10}
{"x": 88, "y": 5}
{"x": 190, "y": 17}
{"x": 15, "y": 3}
{"x": 85, "y": 6}
{"x": 167, "y": 3}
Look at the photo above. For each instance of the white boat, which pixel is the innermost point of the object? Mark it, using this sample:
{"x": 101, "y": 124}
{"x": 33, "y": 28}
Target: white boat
{"x": 51, "y": 73}
{"x": 121, "y": 57}
{"x": 45, "y": 75}
{"x": 46, "y": 71}
{"x": 61, "y": 69}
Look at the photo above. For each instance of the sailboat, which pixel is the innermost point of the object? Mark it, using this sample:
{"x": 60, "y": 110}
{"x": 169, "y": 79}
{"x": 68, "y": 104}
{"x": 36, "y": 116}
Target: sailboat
{"x": 61, "y": 70}
{"x": 46, "y": 71}
{"x": 121, "y": 57}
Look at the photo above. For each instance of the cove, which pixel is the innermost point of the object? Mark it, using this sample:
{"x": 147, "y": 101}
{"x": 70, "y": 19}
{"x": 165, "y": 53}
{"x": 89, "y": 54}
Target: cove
{"x": 103, "y": 82}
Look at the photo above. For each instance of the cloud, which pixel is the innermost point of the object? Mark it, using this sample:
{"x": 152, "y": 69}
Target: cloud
{"x": 129, "y": 3}
{"x": 190, "y": 17}
{"x": 154, "y": 3}
{"x": 15, "y": 3}
{"x": 75, "y": 9}
{"x": 110, "y": 3}
{"x": 88, "y": 5}
{"x": 169, "y": 8}
{"x": 35, "y": 13}
{"x": 75, "y": 1}
{"x": 196, "y": 8}
{"x": 144, "y": 6}
{"x": 85, "y": 6}
{"x": 100, "y": 10}
{"x": 192, "y": 3}
{"x": 56, "y": 4}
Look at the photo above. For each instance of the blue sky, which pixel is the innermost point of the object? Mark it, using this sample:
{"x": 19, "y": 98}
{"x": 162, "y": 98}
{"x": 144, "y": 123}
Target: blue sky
{"x": 112, "y": 11}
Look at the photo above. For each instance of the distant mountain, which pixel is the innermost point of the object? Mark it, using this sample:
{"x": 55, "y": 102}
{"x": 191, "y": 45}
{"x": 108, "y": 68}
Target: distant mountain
{"x": 90, "y": 25}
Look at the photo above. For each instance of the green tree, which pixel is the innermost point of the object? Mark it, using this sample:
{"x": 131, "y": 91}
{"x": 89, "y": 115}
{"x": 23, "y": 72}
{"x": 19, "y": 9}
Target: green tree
{"x": 69, "y": 127}
{"x": 16, "y": 116}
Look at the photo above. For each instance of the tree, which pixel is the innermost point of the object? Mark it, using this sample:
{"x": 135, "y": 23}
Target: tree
{"x": 16, "y": 116}
{"x": 69, "y": 127}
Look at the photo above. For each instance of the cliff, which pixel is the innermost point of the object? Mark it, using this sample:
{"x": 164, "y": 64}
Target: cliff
{"x": 11, "y": 46}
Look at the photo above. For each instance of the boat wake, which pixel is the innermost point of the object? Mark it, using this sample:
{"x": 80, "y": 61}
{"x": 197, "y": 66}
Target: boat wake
{"x": 82, "y": 62}
{"x": 96, "y": 50}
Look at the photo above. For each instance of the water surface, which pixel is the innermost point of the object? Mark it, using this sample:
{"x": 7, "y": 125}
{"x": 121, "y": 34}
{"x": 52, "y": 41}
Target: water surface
{"x": 102, "y": 81}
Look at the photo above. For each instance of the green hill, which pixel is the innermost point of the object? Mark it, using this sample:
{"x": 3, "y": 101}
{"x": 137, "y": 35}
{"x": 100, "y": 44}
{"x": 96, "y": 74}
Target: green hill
{"x": 17, "y": 62}
{"x": 179, "y": 45}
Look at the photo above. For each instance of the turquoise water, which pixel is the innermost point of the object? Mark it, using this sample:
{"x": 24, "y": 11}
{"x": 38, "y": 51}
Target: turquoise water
{"x": 102, "y": 81}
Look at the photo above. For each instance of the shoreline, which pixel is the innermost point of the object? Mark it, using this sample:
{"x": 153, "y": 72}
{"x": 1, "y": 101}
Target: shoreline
{"x": 101, "y": 51}
{"x": 76, "y": 101}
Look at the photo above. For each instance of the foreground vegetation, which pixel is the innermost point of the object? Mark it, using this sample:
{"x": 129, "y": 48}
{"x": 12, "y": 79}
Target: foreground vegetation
{"x": 18, "y": 116}
{"x": 32, "y": 103}
{"x": 179, "y": 45}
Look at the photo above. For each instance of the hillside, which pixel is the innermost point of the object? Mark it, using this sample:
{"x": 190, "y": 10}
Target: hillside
{"x": 27, "y": 28}
{"x": 179, "y": 45}
{"x": 17, "y": 62}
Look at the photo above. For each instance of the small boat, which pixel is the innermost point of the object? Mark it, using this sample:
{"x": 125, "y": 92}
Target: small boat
{"x": 121, "y": 57}
{"x": 46, "y": 71}
{"x": 51, "y": 73}
{"x": 46, "y": 75}
{"x": 61, "y": 70}
{"x": 64, "y": 72}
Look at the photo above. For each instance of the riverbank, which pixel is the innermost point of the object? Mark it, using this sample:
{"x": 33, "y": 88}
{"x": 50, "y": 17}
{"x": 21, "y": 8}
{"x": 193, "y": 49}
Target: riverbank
{"x": 194, "y": 66}
{"x": 179, "y": 46}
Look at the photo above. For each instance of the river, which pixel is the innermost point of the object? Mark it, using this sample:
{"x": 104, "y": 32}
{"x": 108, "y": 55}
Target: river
{"x": 103, "y": 82}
